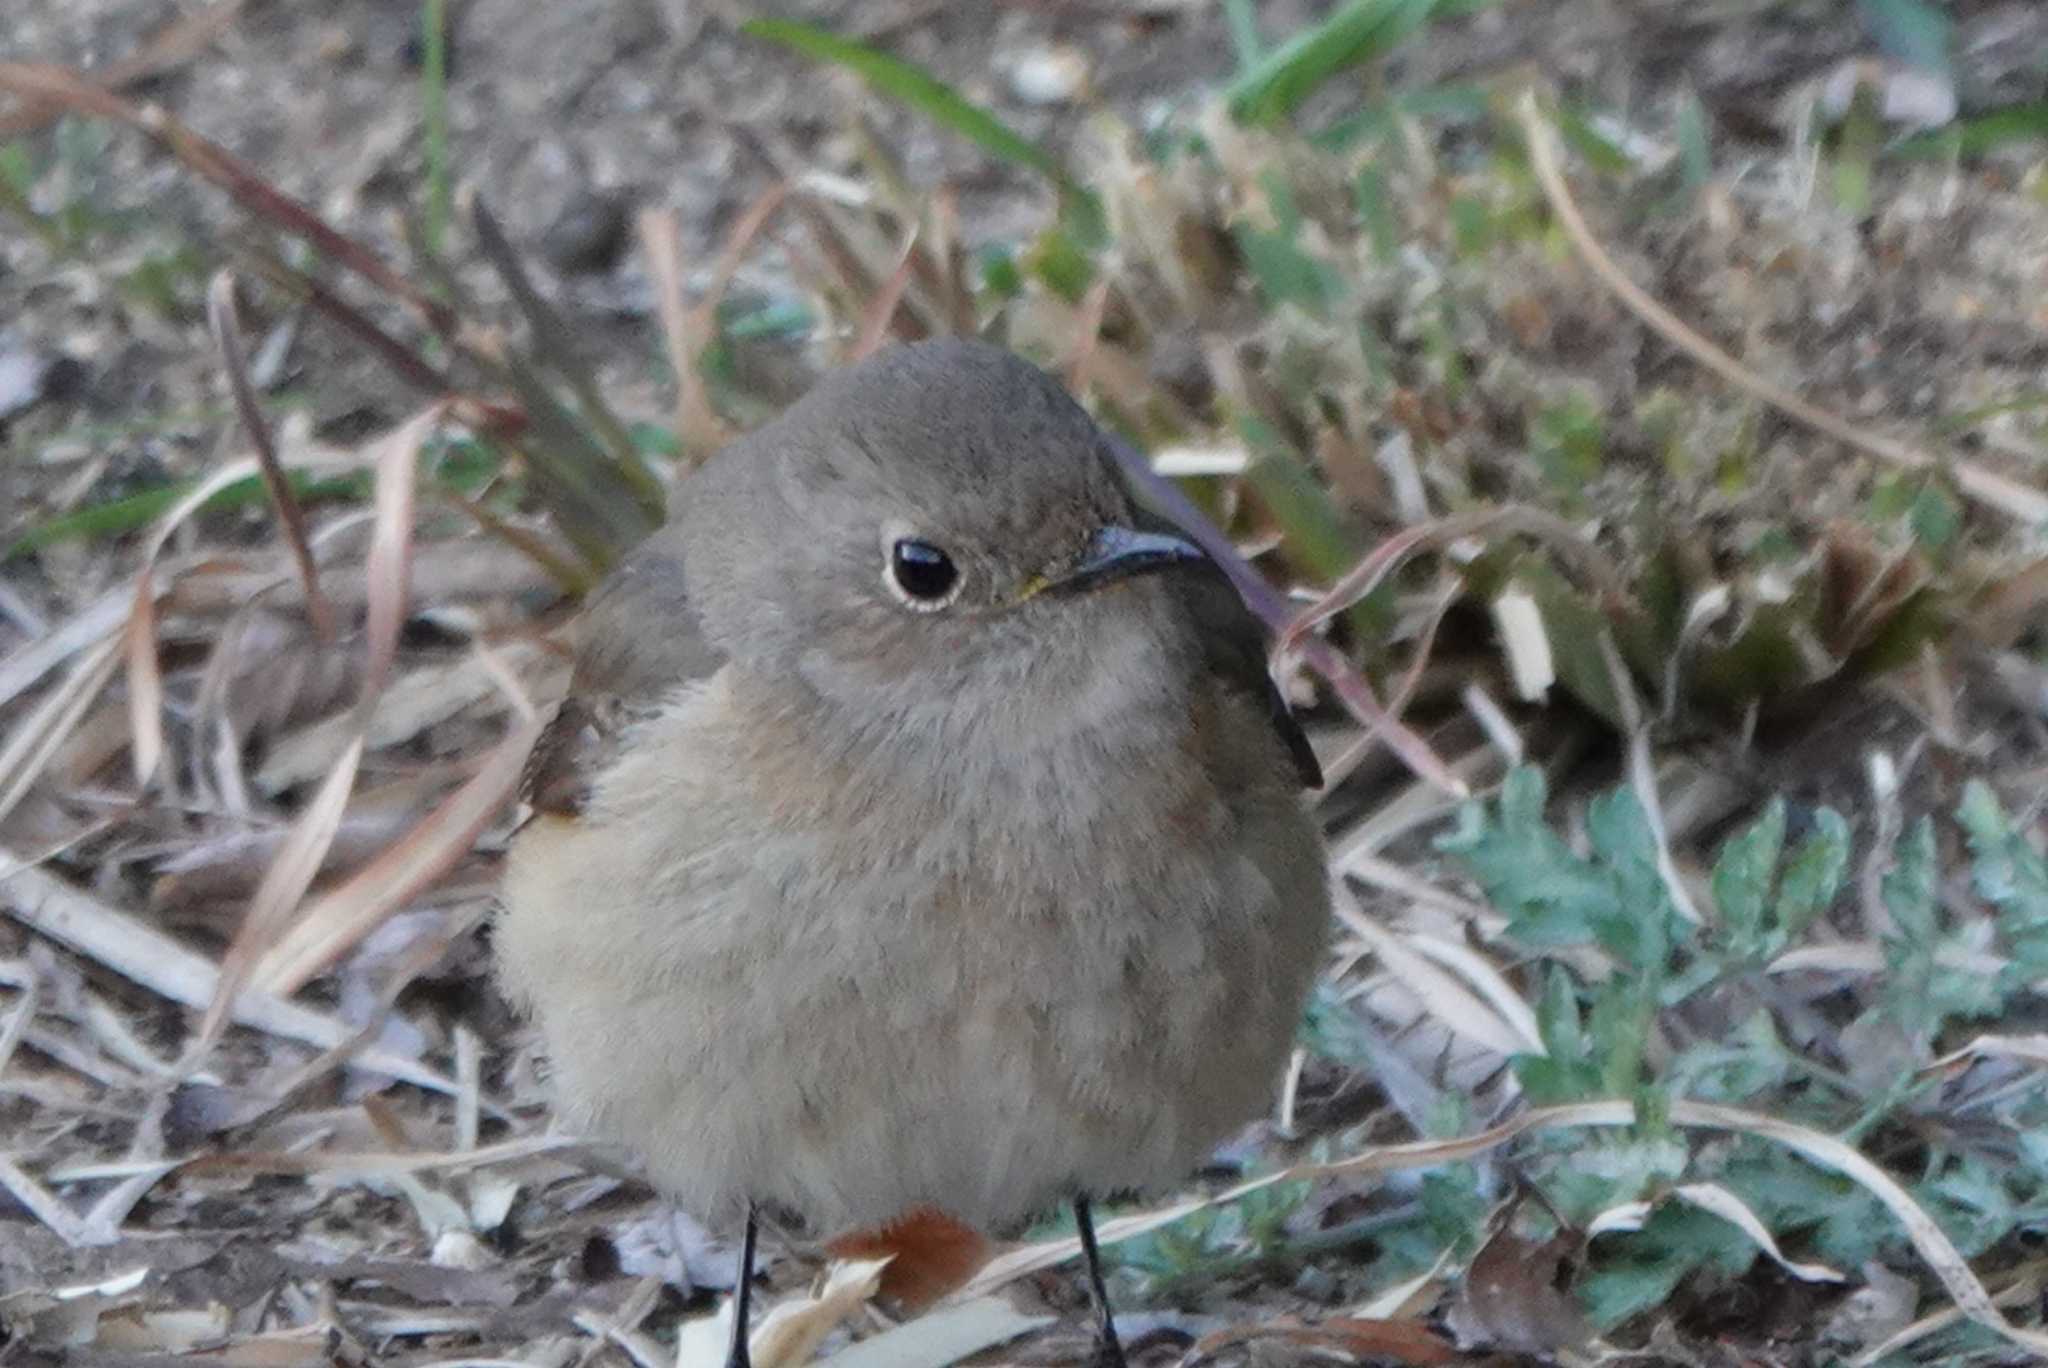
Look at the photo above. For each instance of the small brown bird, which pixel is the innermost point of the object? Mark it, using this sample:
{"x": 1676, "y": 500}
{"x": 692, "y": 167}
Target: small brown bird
{"x": 921, "y": 826}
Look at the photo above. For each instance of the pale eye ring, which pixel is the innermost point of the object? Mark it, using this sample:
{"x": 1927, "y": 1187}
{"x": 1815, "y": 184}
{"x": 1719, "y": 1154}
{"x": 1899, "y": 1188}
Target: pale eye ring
{"x": 921, "y": 574}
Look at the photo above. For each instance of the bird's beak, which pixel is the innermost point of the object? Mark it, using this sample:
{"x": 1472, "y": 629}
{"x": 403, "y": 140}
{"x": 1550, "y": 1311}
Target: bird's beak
{"x": 1115, "y": 553}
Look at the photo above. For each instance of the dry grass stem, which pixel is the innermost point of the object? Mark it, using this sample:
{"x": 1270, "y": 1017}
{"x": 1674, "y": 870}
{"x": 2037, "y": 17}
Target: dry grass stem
{"x": 37, "y": 738}
{"x": 338, "y": 920}
{"x": 878, "y": 318}
{"x": 661, "y": 242}
{"x": 85, "y": 628}
{"x": 176, "y": 43}
{"x": 51, "y": 85}
{"x": 298, "y": 861}
{"x": 1447, "y": 999}
{"x": 732, "y": 254}
{"x": 222, "y": 318}
{"x": 1721, "y": 1202}
{"x": 145, "y": 681}
{"x": 1078, "y": 367}
{"x": 1989, "y": 488}
{"x": 151, "y": 959}
{"x": 1642, "y": 778}
{"x": 26, "y": 1004}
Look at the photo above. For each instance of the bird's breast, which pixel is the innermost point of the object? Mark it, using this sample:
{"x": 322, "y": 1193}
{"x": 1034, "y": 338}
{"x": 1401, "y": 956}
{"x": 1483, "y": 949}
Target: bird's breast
{"x": 759, "y": 830}
{"x": 966, "y": 979}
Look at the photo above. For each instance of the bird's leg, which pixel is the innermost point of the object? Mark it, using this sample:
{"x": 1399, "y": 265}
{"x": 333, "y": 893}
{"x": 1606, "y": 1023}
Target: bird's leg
{"x": 736, "y": 1356}
{"x": 1109, "y": 1351}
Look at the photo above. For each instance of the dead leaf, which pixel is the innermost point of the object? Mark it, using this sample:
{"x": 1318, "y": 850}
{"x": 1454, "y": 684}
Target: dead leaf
{"x": 1516, "y": 1295}
{"x": 930, "y": 1254}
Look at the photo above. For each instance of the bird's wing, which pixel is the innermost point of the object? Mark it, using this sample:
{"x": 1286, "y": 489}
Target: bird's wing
{"x": 1234, "y": 645}
{"x": 637, "y": 641}
{"x": 1234, "y": 650}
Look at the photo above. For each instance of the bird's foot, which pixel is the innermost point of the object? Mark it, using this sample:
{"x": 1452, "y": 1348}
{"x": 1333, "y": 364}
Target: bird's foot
{"x": 1109, "y": 1352}
{"x": 737, "y": 1356}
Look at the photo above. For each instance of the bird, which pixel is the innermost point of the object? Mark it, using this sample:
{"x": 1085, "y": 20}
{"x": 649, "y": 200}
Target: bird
{"x": 921, "y": 828}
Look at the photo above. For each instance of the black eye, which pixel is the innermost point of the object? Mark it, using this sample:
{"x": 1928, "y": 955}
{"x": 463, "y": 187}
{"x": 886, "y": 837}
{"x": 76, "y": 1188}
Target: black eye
{"x": 925, "y": 575}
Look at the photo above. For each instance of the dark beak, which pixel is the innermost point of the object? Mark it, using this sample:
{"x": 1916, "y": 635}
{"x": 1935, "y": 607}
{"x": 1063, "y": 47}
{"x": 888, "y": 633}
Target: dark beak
{"x": 1116, "y": 553}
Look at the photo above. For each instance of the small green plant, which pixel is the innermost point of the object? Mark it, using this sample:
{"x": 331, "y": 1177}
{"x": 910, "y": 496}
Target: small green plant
{"x": 1568, "y": 440}
{"x": 1612, "y": 1033}
{"x": 1275, "y": 83}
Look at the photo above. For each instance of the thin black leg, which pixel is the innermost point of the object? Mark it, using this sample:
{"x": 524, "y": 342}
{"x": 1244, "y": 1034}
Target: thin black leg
{"x": 736, "y": 1356}
{"x": 1109, "y": 1351}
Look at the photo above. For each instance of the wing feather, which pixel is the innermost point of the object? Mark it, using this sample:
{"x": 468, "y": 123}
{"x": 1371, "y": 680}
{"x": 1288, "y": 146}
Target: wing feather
{"x": 637, "y": 642}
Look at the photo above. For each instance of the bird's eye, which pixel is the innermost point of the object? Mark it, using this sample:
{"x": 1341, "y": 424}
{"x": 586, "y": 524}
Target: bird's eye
{"x": 922, "y": 575}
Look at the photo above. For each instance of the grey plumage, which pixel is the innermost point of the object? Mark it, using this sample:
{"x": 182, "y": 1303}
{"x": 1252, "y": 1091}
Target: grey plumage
{"x": 842, "y": 905}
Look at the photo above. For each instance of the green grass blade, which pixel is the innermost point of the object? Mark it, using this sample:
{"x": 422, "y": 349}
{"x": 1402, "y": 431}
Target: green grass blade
{"x": 2025, "y": 401}
{"x": 1695, "y": 135}
{"x": 574, "y": 477}
{"x": 1456, "y": 103}
{"x": 1356, "y": 33}
{"x": 920, "y": 90}
{"x": 1974, "y": 137}
{"x": 117, "y": 517}
{"x": 554, "y": 345}
{"x": 1320, "y": 539}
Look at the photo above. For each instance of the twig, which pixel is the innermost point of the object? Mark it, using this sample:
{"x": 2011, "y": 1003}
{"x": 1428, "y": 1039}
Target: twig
{"x": 469, "y": 1063}
{"x": 403, "y": 361}
{"x": 302, "y": 1162}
